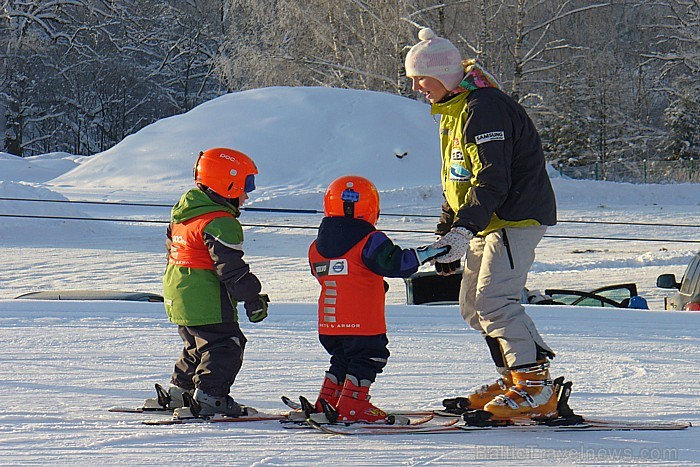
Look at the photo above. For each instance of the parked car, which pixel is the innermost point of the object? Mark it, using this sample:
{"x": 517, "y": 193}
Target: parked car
{"x": 615, "y": 296}
{"x": 91, "y": 295}
{"x": 429, "y": 288}
{"x": 688, "y": 296}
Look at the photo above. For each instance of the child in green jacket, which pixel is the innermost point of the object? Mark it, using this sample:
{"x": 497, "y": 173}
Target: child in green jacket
{"x": 206, "y": 277}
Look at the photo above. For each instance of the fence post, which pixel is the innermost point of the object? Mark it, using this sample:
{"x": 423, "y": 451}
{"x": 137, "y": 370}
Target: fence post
{"x": 596, "y": 171}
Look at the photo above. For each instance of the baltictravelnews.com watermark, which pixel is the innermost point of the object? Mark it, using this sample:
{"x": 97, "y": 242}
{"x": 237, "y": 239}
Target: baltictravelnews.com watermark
{"x": 576, "y": 454}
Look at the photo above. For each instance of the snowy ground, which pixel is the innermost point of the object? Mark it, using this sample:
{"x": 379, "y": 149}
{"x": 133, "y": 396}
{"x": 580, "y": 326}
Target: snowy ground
{"x": 627, "y": 365}
{"x": 65, "y": 363}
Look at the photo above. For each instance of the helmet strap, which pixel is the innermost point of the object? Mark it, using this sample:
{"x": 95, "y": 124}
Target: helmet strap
{"x": 349, "y": 208}
{"x": 349, "y": 197}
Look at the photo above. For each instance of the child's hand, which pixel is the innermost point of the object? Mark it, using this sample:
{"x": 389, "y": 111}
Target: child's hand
{"x": 257, "y": 309}
{"x": 426, "y": 252}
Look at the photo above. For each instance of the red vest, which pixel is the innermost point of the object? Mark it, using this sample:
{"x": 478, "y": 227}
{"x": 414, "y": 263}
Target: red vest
{"x": 188, "y": 248}
{"x": 352, "y": 296}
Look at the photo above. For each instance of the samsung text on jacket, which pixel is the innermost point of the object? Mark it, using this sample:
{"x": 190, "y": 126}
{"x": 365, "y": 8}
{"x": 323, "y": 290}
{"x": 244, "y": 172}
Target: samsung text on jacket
{"x": 491, "y": 136}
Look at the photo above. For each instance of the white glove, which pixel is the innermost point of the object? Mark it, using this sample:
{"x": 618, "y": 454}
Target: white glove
{"x": 458, "y": 241}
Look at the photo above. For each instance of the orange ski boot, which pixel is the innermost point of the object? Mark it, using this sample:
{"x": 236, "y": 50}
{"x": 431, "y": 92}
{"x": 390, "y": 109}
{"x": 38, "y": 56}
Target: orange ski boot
{"x": 330, "y": 391}
{"x": 354, "y": 404}
{"x": 478, "y": 397}
{"x": 532, "y": 395}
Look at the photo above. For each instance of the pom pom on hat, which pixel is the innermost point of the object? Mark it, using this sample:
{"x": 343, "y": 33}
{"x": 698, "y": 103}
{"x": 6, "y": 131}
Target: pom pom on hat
{"x": 426, "y": 34}
{"x": 436, "y": 57}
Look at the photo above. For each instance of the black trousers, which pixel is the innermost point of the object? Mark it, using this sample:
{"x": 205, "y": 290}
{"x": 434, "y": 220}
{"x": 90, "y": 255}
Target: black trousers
{"x": 360, "y": 356}
{"x": 211, "y": 358}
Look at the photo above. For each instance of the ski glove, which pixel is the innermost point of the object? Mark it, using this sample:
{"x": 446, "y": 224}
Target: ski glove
{"x": 458, "y": 241}
{"x": 426, "y": 252}
{"x": 257, "y": 309}
{"x": 446, "y": 269}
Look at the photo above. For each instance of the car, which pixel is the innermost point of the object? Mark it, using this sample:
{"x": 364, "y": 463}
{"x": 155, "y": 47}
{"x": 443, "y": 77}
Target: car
{"x": 688, "y": 296}
{"x": 610, "y": 296}
{"x": 91, "y": 295}
{"x": 429, "y": 288}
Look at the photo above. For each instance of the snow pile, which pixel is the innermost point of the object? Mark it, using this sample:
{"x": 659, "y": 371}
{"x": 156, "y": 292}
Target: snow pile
{"x": 299, "y": 138}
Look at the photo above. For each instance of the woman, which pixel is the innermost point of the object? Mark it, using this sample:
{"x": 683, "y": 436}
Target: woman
{"x": 498, "y": 204}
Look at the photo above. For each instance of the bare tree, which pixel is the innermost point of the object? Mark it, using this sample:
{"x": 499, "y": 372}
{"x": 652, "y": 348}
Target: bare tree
{"x": 605, "y": 80}
{"x": 677, "y": 44}
{"x": 79, "y": 76}
{"x": 32, "y": 33}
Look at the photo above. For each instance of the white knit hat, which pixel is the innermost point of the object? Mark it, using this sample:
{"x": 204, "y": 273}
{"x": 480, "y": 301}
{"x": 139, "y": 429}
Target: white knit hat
{"x": 435, "y": 57}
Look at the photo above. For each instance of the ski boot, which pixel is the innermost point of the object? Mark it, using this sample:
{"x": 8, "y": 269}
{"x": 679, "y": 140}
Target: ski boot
{"x": 480, "y": 395}
{"x": 176, "y": 395}
{"x": 532, "y": 395}
{"x": 207, "y": 405}
{"x": 171, "y": 399}
{"x": 330, "y": 391}
{"x": 327, "y": 397}
{"x": 354, "y": 404}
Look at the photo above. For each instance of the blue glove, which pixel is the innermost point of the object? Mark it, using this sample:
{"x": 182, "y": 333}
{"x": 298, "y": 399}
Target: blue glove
{"x": 257, "y": 309}
{"x": 426, "y": 252}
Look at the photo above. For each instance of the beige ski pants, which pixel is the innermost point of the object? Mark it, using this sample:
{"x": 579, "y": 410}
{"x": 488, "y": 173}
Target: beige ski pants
{"x": 494, "y": 276}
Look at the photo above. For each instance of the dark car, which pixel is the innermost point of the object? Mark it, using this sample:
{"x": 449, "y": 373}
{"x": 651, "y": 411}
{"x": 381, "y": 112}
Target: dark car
{"x": 688, "y": 296}
{"x": 92, "y": 295}
{"x": 429, "y": 288}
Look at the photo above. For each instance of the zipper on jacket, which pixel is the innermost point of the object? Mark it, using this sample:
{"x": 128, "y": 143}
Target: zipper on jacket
{"x": 506, "y": 243}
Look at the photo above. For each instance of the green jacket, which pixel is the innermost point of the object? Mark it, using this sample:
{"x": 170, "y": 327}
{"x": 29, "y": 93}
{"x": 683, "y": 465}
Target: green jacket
{"x": 493, "y": 166}
{"x": 206, "y": 275}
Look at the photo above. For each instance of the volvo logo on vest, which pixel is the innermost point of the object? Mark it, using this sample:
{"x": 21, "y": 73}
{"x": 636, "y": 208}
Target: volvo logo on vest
{"x": 338, "y": 267}
{"x": 334, "y": 267}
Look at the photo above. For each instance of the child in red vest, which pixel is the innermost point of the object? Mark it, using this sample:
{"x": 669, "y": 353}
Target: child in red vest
{"x": 350, "y": 258}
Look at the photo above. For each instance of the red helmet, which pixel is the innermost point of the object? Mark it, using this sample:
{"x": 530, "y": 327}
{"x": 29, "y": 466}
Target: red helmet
{"x": 229, "y": 173}
{"x": 352, "y": 196}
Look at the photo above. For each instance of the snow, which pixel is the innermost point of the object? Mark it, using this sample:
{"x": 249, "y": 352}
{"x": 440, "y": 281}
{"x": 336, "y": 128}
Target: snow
{"x": 59, "y": 356}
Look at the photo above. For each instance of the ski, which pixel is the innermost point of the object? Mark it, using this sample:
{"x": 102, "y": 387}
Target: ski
{"x": 302, "y": 423}
{"x": 586, "y": 425}
{"x": 161, "y": 410}
{"x": 414, "y": 423}
{"x": 259, "y": 417}
{"x": 291, "y": 403}
{"x": 480, "y": 420}
{"x": 421, "y": 425}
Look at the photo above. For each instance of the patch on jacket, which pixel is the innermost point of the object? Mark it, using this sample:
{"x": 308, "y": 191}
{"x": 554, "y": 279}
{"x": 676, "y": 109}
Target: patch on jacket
{"x": 458, "y": 173}
{"x": 334, "y": 267}
{"x": 490, "y": 136}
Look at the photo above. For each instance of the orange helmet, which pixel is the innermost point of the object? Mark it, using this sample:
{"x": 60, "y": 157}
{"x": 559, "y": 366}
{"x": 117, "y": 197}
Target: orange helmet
{"x": 229, "y": 173}
{"x": 352, "y": 196}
